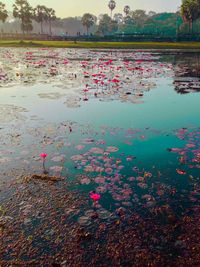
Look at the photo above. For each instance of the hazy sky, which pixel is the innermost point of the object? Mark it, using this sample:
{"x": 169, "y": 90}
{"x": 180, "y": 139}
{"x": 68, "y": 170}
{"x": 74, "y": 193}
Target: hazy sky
{"x": 66, "y": 8}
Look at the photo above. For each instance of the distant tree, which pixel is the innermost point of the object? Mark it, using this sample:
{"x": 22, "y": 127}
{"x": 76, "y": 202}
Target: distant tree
{"x": 104, "y": 23}
{"x": 58, "y": 22}
{"x": 128, "y": 20}
{"x": 51, "y": 16}
{"x": 112, "y": 26}
{"x": 28, "y": 27}
{"x": 190, "y": 11}
{"x": 100, "y": 17}
{"x": 118, "y": 17}
{"x": 179, "y": 20}
{"x": 3, "y": 12}
{"x": 164, "y": 24}
{"x": 88, "y": 20}
{"x": 138, "y": 15}
{"x": 111, "y": 5}
{"x": 71, "y": 25}
{"x": 107, "y": 25}
{"x": 151, "y": 13}
{"x": 127, "y": 10}
{"x": 40, "y": 15}
{"x": 23, "y": 11}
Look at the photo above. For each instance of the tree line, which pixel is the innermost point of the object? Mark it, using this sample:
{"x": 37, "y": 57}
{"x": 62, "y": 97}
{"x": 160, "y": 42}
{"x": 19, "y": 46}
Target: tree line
{"x": 26, "y": 14}
{"x": 185, "y": 20}
{"x": 138, "y": 21}
{"x": 190, "y": 12}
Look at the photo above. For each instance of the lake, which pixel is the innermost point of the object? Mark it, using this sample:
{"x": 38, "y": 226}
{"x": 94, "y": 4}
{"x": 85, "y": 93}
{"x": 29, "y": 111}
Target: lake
{"x": 100, "y": 157}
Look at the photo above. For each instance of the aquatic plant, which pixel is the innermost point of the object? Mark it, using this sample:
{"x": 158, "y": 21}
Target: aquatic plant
{"x": 43, "y": 156}
{"x": 95, "y": 196}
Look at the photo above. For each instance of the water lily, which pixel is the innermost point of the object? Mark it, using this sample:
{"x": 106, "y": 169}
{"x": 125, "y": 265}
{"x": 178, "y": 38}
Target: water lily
{"x": 95, "y": 196}
{"x": 43, "y": 156}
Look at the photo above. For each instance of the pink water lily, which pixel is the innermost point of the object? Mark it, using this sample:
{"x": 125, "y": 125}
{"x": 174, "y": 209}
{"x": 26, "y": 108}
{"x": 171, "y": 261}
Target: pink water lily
{"x": 95, "y": 196}
{"x": 43, "y": 155}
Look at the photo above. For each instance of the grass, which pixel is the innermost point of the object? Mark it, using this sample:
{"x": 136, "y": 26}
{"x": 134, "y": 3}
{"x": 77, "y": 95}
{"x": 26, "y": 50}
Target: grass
{"x": 119, "y": 45}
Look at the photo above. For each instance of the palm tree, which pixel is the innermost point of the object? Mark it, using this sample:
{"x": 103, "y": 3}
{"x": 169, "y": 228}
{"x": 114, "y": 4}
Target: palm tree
{"x": 127, "y": 10}
{"x": 111, "y": 5}
{"x": 190, "y": 11}
{"x": 50, "y": 17}
{"x": 3, "y": 12}
{"x": 40, "y": 15}
{"x": 23, "y": 11}
{"x": 88, "y": 20}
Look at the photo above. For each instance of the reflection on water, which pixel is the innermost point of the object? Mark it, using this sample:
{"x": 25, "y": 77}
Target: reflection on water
{"x": 187, "y": 77}
{"x": 123, "y": 158}
{"x": 190, "y": 65}
{"x": 187, "y": 85}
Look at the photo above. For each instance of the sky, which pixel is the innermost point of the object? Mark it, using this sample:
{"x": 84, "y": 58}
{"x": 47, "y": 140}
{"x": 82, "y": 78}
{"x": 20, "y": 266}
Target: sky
{"x": 72, "y": 8}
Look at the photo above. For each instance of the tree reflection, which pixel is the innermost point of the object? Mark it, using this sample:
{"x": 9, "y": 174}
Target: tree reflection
{"x": 187, "y": 75}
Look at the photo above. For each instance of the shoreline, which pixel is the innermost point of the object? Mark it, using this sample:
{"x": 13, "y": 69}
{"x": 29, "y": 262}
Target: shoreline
{"x": 188, "y": 46}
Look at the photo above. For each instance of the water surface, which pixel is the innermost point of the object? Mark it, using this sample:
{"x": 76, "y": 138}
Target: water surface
{"x": 122, "y": 124}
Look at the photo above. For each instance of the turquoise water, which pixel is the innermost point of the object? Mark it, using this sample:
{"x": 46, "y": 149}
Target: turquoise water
{"x": 139, "y": 151}
{"x": 162, "y": 109}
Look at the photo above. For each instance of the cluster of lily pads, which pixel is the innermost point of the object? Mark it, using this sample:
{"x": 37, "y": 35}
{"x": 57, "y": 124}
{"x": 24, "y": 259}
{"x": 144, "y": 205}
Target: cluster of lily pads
{"x": 73, "y": 193}
{"x": 114, "y": 75}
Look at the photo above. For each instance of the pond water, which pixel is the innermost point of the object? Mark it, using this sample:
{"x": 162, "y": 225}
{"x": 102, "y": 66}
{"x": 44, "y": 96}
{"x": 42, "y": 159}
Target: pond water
{"x": 122, "y": 126}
